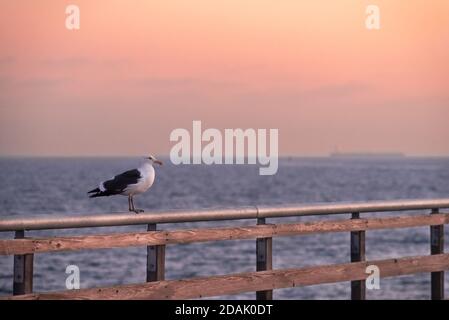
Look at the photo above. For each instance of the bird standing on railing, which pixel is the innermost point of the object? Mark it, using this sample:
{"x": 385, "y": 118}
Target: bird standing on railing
{"x": 129, "y": 183}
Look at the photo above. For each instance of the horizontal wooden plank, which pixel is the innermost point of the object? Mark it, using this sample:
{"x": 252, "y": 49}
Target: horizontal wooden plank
{"x": 252, "y": 281}
{"x": 36, "y": 245}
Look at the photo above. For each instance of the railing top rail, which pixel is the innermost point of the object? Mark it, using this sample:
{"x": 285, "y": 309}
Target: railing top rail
{"x": 253, "y": 212}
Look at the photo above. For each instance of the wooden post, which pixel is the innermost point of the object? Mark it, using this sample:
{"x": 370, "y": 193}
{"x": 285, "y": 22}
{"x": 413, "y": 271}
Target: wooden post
{"x": 23, "y": 270}
{"x": 264, "y": 260}
{"x": 155, "y": 260}
{"x": 437, "y": 247}
{"x": 358, "y": 288}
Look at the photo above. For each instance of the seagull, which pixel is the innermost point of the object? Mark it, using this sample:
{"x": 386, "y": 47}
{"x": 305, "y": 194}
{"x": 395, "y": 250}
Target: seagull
{"x": 129, "y": 183}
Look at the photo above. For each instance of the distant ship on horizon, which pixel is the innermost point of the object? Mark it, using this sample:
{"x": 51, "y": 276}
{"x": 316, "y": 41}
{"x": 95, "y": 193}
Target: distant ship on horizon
{"x": 338, "y": 154}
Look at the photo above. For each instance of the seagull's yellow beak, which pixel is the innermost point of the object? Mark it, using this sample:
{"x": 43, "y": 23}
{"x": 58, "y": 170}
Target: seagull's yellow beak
{"x": 158, "y": 162}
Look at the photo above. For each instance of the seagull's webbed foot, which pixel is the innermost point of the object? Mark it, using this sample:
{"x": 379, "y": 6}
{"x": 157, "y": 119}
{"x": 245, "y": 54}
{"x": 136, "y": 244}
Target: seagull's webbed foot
{"x": 132, "y": 208}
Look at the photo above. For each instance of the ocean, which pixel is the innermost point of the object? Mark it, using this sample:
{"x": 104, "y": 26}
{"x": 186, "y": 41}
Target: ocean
{"x": 36, "y": 187}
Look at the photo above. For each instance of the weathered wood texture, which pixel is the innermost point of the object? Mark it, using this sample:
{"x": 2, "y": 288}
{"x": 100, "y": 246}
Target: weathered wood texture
{"x": 155, "y": 260}
{"x": 357, "y": 239}
{"x": 253, "y": 281}
{"x": 23, "y": 270}
{"x": 36, "y": 245}
{"x": 264, "y": 260}
{"x": 437, "y": 247}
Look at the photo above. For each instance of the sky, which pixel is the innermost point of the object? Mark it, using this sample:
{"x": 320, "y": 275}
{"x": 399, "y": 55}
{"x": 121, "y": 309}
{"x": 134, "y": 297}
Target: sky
{"x": 138, "y": 69}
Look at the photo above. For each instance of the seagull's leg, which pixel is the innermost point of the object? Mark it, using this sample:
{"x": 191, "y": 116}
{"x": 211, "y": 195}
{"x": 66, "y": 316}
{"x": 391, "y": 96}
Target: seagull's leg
{"x": 129, "y": 203}
{"x": 134, "y": 209}
{"x": 132, "y": 203}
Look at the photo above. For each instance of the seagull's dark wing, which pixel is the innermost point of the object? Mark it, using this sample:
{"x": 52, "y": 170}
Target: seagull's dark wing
{"x": 121, "y": 181}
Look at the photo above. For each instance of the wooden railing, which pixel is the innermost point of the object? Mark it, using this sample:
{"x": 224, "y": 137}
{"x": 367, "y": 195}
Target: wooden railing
{"x": 263, "y": 280}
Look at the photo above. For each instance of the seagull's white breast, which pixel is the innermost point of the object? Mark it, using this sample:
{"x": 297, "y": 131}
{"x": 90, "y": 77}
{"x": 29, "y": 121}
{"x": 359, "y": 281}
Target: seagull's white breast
{"x": 144, "y": 183}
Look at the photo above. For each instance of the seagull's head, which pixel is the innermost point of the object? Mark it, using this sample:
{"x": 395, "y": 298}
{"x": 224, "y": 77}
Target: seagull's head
{"x": 153, "y": 159}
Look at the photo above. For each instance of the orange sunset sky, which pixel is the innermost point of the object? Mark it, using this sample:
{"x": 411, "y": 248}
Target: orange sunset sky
{"x": 137, "y": 69}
